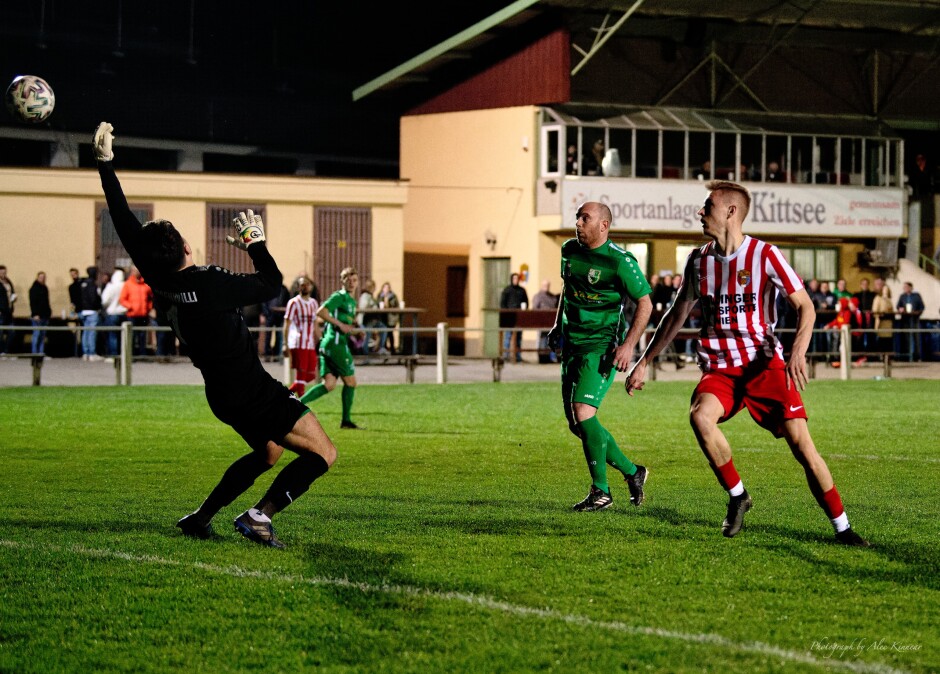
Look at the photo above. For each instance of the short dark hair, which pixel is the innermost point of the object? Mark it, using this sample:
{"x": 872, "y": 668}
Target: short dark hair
{"x": 728, "y": 186}
{"x": 164, "y": 244}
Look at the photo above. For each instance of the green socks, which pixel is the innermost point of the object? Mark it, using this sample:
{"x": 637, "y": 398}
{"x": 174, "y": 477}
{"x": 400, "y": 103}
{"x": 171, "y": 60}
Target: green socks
{"x": 600, "y": 448}
{"x": 314, "y": 393}
{"x": 320, "y": 390}
{"x": 349, "y": 392}
{"x": 616, "y": 458}
{"x": 594, "y": 440}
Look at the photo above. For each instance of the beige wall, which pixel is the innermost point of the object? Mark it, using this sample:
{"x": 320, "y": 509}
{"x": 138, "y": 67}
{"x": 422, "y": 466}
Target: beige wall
{"x": 473, "y": 173}
{"x": 47, "y": 218}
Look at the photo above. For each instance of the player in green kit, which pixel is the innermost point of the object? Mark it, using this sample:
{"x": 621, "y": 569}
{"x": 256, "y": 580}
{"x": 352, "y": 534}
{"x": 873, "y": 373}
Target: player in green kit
{"x": 336, "y": 360}
{"x": 599, "y": 277}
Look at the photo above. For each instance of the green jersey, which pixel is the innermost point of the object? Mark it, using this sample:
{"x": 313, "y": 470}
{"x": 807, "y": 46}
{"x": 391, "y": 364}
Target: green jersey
{"x": 342, "y": 307}
{"x": 597, "y": 282}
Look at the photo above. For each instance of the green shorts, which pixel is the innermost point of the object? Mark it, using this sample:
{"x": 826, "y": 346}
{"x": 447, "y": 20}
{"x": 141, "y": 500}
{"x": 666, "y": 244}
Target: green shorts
{"x": 585, "y": 377}
{"x": 337, "y": 360}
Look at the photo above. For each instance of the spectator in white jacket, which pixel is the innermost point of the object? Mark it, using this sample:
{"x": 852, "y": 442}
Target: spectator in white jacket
{"x": 115, "y": 312}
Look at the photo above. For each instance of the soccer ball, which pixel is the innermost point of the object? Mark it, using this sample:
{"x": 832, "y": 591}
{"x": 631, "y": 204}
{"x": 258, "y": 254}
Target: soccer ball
{"x": 30, "y": 99}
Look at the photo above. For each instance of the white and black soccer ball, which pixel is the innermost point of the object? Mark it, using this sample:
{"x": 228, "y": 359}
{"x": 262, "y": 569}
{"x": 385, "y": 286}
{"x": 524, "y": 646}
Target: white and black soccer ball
{"x": 30, "y": 99}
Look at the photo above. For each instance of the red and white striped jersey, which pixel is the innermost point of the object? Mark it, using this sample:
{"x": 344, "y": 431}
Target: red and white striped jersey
{"x": 302, "y": 314}
{"x": 738, "y": 296}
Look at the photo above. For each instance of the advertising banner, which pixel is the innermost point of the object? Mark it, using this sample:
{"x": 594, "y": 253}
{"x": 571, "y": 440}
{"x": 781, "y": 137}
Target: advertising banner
{"x": 671, "y": 206}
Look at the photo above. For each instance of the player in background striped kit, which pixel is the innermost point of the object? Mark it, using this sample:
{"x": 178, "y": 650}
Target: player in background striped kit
{"x": 736, "y": 278}
{"x": 301, "y": 335}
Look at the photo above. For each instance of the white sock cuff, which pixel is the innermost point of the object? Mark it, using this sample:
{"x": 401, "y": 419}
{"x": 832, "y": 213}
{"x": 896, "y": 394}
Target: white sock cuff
{"x": 737, "y": 489}
{"x": 257, "y": 515}
{"x": 840, "y": 523}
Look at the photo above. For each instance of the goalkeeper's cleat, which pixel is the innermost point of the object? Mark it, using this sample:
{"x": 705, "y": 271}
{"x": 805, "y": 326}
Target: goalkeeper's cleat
{"x": 259, "y": 532}
{"x": 737, "y": 506}
{"x": 597, "y": 499}
{"x": 193, "y": 527}
{"x": 849, "y": 537}
{"x": 635, "y": 484}
{"x": 348, "y": 424}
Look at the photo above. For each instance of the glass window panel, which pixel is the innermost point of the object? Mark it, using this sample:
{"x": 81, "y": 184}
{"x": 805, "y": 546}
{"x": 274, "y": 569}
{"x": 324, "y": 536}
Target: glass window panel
{"x": 825, "y": 164}
{"x": 673, "y": 154}
{"x": 804, "y": 263}
{"x": 549, "y": 148}
{"x": 647, "y": 153}
{"x": 827, "y": 264}
{"x": 593, "y": 147}
{"x": 777, "y": 162}
{"x": 700, "y": 151}
{"x": 751, "y": 156}
{"x": 725, "y": 155}
{"x": 622, "y": 140}
{"x": 801, "y": 157}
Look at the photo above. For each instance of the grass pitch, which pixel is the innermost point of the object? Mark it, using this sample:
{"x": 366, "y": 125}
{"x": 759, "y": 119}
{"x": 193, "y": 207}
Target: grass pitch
{"x": 443, "y": 539}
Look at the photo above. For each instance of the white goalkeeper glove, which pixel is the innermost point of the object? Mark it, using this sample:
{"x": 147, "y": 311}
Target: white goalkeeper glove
{"x": 103, "y": 141}
{"x": 248, "y": 228}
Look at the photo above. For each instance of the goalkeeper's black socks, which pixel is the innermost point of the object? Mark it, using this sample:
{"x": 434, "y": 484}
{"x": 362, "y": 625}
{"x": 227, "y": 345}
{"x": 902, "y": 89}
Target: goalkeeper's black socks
{"x": 236, "y": 481}
{"x": 292, "y": 482}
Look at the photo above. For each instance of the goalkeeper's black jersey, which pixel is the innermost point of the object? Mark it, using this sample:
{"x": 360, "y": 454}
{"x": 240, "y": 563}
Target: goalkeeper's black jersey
{"x": 203, "y": 303}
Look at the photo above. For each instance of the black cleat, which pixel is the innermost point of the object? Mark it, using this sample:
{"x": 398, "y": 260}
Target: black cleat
{"x": 635, "y": 484}
{"x": 737, "y": 506}
{"x": 259, "y": 532}
{"x": 349, "y": 424}
{"x": 849, "y": 537}
{"x": 192, "y": 527}
{"x": 595, "y": 500}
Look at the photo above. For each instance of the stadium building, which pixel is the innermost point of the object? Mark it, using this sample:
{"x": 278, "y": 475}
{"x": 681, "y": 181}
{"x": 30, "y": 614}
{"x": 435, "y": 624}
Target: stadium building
{"x": 820, "y": 111}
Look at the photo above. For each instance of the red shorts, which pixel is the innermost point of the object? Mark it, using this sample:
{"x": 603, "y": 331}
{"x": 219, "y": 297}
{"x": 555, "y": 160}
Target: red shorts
{"x": 761, "y": 387}
{"x": 306, "y": 363}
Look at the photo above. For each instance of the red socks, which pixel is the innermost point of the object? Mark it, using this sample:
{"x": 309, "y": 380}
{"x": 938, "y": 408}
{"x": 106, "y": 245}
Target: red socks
{"x": 727, "y": 475}
{"x": 832, "y": 503}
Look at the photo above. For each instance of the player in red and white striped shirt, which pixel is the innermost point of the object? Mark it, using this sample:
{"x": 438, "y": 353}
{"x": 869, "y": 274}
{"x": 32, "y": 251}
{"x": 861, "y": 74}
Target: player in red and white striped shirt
{"x": 736, "y": 280}
{"x": 301, "y": 336}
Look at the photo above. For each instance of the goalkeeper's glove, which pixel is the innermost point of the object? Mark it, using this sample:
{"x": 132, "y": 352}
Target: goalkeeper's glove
{"x": 102, "y": 142}
{"x": 248, "y": 228}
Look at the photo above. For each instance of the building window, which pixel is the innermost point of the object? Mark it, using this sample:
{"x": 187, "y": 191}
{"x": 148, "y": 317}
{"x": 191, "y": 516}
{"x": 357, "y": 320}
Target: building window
{"x": 111, "y": 252}
{"x": 821, "y": 264}
{"x": 218, "y": 251}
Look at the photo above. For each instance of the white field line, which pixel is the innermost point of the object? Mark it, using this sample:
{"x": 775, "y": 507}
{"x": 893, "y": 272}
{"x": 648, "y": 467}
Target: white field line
{"x": 830, "y": 455}
{"x": 483, "y": 602}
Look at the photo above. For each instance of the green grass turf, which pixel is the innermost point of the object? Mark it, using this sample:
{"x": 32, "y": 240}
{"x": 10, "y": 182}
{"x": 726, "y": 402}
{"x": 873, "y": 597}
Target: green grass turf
{"x": 443, "y": 539}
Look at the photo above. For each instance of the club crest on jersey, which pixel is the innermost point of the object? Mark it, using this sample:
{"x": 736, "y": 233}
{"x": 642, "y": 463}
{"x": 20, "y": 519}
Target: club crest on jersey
{"x": 593, "y": 276}
{"x": 744, "y": 277}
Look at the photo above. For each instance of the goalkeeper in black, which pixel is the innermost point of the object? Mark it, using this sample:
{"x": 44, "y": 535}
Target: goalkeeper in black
{"x": 599, "y": 277}
{"x": 202, "y": 304}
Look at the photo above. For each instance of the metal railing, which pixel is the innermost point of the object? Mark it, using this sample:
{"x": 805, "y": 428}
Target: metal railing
{"x": 841, "y": 350}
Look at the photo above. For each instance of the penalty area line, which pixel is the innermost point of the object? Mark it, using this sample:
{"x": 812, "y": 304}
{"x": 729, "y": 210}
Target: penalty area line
{"x": 479, "y": 601}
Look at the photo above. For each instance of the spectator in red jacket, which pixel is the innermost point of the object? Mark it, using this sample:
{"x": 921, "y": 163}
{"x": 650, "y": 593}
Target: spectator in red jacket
{"x": 137, "y": 296}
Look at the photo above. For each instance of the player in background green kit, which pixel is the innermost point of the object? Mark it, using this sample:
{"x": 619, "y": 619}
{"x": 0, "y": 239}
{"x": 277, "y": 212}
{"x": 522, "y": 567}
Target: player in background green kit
{"x": 599, "y": 277}
{"x": 336, "y": 360}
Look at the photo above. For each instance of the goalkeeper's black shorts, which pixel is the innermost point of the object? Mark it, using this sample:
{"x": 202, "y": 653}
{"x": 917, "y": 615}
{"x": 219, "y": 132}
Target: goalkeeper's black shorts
{"x": 266, "y": 411}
